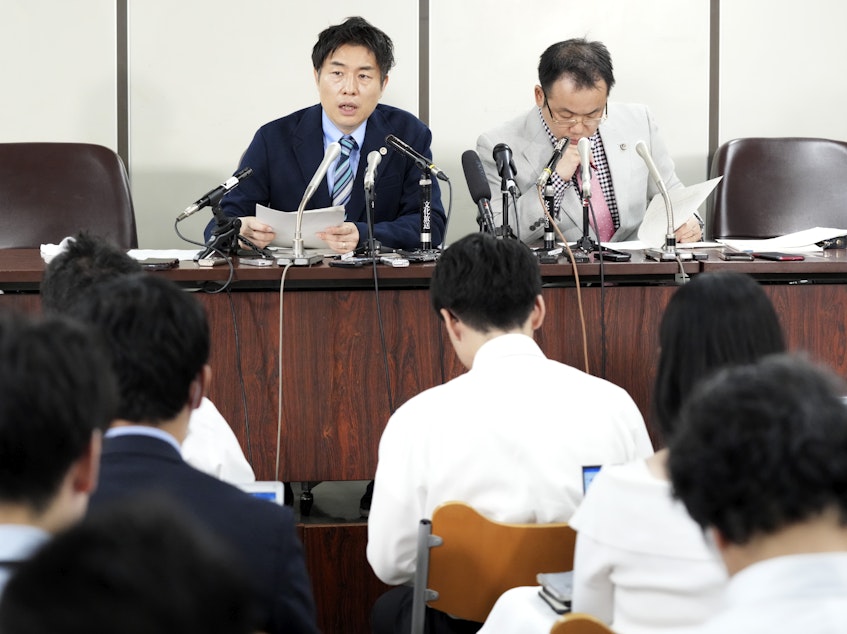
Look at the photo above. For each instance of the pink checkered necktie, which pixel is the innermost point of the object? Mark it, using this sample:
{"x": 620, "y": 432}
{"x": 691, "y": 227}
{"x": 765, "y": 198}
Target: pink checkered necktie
{"x": 600, "y": 208}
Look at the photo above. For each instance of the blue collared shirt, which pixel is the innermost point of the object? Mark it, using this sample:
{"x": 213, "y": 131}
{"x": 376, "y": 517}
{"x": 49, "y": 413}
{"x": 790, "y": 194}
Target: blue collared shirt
{"x": 332, "y": 135}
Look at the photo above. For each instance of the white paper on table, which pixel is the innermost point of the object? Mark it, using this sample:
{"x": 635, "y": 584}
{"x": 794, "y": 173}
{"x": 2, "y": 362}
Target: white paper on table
{"x": 685, "y": 201}
{"x": 796, "y": 242}
{"x": 284, "y": 224}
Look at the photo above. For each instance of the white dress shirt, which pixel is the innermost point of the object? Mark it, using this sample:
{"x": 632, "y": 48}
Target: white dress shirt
{"x": 211, "y": 446}
{"x": 509, "y": 437}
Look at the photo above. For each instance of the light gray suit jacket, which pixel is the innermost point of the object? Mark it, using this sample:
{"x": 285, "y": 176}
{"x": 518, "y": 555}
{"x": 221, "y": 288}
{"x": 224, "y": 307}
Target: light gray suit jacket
{"x": 531, "y": 148}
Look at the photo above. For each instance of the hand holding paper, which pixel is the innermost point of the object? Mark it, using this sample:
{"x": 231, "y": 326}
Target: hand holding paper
{"x": 685, "y": 201}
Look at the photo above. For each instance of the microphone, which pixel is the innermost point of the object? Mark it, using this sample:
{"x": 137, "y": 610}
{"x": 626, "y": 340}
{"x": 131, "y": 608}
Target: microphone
{"x": 420, "y": 160}
{"x": 479, "y": 188}
{"x": 299, "y": 258}
{"x": 374, "y": 158}
{"x": 644, "y": 153}
{"x": 547, "y": 172}
{"x": 584, "y": 149}
{"x": 330, "y": 154}
{"x": 502, "y": 155}
{"x": 669, "y": 251}
{"x": 214, "y": 197}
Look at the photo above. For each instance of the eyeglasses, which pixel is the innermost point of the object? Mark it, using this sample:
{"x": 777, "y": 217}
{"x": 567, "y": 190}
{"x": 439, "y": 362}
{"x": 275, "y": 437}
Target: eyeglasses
{"x": 588, "y": 122}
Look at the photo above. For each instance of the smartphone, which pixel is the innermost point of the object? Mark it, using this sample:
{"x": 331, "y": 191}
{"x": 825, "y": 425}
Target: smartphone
{"x": 730, "y": 255}
{"x": 256, "y": 261}
{"x": 349, "y": 263}
{"x": 613, "y": 256}
{"x": 210, "y": 261}
{"x": 779, "y": 257}
{"x": 394, "y": 259}
{"x": 159, "y": 264}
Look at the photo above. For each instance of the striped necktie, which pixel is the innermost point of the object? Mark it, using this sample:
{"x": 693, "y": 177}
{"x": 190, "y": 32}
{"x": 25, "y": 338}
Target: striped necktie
{"x": 343, "y": 183}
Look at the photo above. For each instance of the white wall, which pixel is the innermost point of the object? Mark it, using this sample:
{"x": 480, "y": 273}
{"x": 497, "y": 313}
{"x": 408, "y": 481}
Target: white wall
{"x": 782, "y": 69}
{"x": 205, "y": 74}
{"x": 58, "y": 71}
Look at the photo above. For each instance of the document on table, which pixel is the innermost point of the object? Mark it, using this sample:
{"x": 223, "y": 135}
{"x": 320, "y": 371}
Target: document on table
{"x": 796, "y": 242}
{"x": 684, "y": 200}
{"x": 284, "y": 224}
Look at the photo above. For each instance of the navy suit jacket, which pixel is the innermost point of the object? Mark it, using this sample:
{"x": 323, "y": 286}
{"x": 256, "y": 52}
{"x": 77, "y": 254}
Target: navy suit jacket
{"x": 285, "y": 154}
{"x": 261, "y": 534}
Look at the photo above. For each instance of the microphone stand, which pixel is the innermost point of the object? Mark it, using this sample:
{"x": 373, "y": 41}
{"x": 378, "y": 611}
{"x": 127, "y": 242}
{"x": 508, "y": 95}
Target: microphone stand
{"x": 669, "y": 251}
{"x": 425, "y": 252}
{"x": 226, "y": 236}
{"x": 586, "y": 243}
{"x": 374, "y": 245}
{"x": 504, "y": 230}
{"x": 426, "y": 208}
{"x": 549, "y": 203}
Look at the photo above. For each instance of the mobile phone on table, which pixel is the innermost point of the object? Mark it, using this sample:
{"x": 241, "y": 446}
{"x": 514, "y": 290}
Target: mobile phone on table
{"x": 779, "y": 257}
{"x": 730, "y": 255}
{"x": 256, "y": 261}
{"x": 159, "y": 264}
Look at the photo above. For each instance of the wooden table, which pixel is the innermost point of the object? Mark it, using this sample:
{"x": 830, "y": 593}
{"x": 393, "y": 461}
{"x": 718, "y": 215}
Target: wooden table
{"x": 334, "y": 385}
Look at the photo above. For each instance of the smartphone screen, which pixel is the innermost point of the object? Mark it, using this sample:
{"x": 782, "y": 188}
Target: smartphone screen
{"x": 779, "y": 257}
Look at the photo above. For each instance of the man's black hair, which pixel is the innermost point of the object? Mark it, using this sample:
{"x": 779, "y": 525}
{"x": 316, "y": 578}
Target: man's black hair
{"x": 158, "y": 338}
{"x": 56, "y": 390}
{"x": 586, "y": 63}
{"x": 87, "y": 260}
{"x": 761, "y": 447}
{"x": 486, "y": 282}
{"x": 355, "y": 31}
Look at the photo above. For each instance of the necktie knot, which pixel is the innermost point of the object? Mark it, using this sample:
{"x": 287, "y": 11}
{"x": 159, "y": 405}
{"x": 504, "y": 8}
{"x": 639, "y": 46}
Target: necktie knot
{"x": 348, "y": 144}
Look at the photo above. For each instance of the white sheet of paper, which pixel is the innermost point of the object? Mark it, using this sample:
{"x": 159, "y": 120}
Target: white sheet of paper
{"x": 685, "y": 201}
{"x": 798, "y": 241}
{"x": 284, "y": 224}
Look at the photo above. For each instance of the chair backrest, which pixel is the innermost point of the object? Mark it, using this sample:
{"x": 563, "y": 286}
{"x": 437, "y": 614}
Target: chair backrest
{"x": 52, "y": 190}
{"x": 774, "y": 186}
{"x": 479, "y": 559}
{"x": 579, "y": 623}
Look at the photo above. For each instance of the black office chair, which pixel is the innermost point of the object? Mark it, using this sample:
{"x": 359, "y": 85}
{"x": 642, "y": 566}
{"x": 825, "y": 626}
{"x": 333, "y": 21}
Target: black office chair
{"x": 52, "y": 190}
{"x": 774, "y": 186}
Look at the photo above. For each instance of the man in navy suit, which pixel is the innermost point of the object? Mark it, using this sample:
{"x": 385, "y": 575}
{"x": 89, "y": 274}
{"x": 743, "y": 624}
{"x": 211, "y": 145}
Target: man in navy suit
{"x": 158, "y": 338}
{"x": 351, "y": 64}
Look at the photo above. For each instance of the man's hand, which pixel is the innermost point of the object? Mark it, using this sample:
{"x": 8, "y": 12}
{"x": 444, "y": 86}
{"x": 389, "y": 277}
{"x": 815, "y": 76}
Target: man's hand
{"x": 257, "y": 232}
{"x": 690, "y": 231}
{"x": 341, "y": 239}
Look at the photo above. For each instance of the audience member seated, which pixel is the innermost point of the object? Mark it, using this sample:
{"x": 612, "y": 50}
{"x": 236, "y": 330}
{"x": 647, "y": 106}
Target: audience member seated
{"x": 158, "y": 338}
{"x": 210, "y": 445}
{"x": 137, "y": 568}
{"x": 509, "y": 437}
{"x": 641, "y": 564}
{"x": 759, "y": 462}
{"x": 57, "y": 395}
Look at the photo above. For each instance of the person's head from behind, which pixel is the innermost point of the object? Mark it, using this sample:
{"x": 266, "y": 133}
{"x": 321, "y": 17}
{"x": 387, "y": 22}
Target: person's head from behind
{"x": 716, "y": 320}
{"x": 574, "y": 80}
{"x": 158, "y": 339}
{"x": 57, "y": 394}
{"x": 483, "y": 287}
{"x": 87, "y": 260}
{"x": 140, "y": 567}
{"x": 761, "y": 452}
{"x": 351, "y": 62}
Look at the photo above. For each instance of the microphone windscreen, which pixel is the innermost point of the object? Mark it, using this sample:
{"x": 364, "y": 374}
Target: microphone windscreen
{"x": 475, "y": 176}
